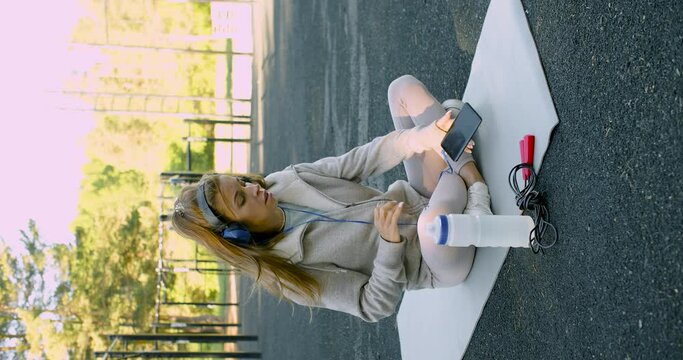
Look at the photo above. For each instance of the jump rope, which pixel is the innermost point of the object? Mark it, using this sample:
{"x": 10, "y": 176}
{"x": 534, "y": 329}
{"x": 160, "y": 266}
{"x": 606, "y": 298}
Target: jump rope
{"x": 532, "y": 203}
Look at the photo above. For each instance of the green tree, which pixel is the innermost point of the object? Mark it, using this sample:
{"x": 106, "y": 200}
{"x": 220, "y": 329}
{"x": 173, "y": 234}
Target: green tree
{"x": 108, "y": 275}
{"x": 30, "y": 318}
{"x": 105, "y": 278}
{"x": 11, "y": 330}
{"x": 112, "y": 270}
{"x": 202, "y": 153}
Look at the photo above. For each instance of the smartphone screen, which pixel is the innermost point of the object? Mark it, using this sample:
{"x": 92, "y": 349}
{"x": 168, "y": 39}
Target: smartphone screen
{"x": 461, "y": 132}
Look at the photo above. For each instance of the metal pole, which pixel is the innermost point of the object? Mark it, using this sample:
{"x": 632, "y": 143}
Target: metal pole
{"x": 192, "y": 260}
{"x": 208, "y": 1}
{"x": 214, "y": 122}
{"x": 160, "y": 265}
{"x": 178, "y": 97}
{"x": 199, "y": 270}
{"x": 179, "y": 354}
{"x": 179, "y": 325}
{"x": 191, "y": 337}
{"x": 174, "y": 114}
{"x": 181, "y": 175}
{"x": 188, "y": 156}
{"x": 207, "y": 139}
{"x": 208, "y": 303}
{"x": 156, "y": 48}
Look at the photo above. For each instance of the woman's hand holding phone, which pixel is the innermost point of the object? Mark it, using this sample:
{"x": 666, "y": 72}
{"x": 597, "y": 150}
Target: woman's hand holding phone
{"x": 430, "y": 137}
{"x": 445, "y": 123}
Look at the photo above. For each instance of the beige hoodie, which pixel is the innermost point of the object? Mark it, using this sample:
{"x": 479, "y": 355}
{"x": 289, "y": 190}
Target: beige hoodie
{"x": 359, "y": 272}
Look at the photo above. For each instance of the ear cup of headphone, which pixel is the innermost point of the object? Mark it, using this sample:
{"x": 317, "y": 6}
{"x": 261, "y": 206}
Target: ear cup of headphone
{"x": 237, "y": 233}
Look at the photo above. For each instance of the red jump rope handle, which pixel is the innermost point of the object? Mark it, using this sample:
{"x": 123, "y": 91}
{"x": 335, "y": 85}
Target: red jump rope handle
{"x": 526, "y": 149}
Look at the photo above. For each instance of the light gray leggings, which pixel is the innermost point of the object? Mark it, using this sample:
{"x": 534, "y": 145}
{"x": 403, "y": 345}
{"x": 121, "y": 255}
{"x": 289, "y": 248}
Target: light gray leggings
{"x": 411, "y": 104}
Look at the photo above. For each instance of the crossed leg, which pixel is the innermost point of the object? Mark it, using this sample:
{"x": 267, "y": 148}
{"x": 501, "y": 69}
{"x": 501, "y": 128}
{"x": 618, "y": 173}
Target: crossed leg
{"x": 411, "y": 104}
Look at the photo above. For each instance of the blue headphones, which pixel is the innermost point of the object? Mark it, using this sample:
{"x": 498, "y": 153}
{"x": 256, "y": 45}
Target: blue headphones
{"x": 233, "y": 232}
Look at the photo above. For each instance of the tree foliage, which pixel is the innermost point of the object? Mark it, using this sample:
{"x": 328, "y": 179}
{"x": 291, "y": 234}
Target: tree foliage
{"x": 104, "y": 279}
{"x": 112, "y": 272}
{"x": 30, "y": 317}
{"x": 56, "y": 299}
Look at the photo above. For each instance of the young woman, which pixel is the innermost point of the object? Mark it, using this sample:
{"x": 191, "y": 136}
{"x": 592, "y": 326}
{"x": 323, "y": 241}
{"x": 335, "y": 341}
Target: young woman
{"x": 316, "y": 236}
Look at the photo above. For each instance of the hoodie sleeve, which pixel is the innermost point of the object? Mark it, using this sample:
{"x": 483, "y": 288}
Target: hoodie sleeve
{"x": 369, "y": 298}
{"x": 379, "y": 155}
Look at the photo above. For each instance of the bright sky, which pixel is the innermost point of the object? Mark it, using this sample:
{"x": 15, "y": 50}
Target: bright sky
{"x": 41, "y": 155}
{"x": 41, "y": 147}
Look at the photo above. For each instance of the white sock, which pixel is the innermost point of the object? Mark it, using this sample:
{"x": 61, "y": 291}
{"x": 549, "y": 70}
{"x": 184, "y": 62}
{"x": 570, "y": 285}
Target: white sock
{"x": 464, "y": 159}
{"x": 478, "y": 200}
{"x": 454, "y": 167}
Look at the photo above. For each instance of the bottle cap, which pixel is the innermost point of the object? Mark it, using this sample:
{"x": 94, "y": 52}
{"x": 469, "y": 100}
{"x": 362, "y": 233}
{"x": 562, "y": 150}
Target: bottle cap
{"x": 438, "y": 229}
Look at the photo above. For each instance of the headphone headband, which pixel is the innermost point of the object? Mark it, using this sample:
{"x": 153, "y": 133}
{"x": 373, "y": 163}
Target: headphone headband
{"x": 209, "y": 216}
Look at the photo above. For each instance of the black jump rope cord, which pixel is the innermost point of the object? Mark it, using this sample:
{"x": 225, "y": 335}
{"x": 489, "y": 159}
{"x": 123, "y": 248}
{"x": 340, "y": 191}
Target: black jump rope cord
{"x": 531, "y": 203}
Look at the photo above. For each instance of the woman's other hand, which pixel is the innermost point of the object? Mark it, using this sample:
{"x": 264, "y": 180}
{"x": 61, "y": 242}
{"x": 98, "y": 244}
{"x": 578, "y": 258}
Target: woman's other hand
{"x": 386, "y": 220}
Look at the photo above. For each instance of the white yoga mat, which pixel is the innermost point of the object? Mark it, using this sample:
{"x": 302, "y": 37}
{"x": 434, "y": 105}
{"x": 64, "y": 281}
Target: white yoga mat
{"x": 507, "y": 87}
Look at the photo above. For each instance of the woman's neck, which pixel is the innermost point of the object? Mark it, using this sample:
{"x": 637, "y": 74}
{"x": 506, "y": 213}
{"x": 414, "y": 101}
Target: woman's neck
{"x": 284, "y": 219}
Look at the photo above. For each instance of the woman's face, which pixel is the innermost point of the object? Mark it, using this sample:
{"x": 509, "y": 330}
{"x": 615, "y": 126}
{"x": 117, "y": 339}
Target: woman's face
{"x": 248, "y": 204}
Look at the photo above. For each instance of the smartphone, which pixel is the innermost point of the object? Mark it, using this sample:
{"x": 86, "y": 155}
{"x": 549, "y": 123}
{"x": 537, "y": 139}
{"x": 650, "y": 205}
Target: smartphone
{"x": 461, "y": 131}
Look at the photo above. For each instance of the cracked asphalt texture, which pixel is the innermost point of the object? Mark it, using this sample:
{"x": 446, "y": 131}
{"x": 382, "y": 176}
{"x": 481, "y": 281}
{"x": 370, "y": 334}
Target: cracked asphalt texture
{"x": 611, "y": 287}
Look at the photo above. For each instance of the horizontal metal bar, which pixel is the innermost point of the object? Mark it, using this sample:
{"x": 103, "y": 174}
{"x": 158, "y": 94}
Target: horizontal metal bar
{"x": 209, "y": 1}
{"x": 195, "y": 174}
{"x": 181, "y": 175}
{"x": 179, "y": 354}
{"x": 192, "y": 260}
{"x": 157, "y": 48}
{"x": 193, "y": 338}
{"x": 206, "y": 121}
{"x": 141, "y": 95}
{"x": 180, "y": 325}
{"x": 184, "y": 269}
{"x": 145, "y": 113}
{"x": 205, "y": 139}
{"x": 199, "y": 303}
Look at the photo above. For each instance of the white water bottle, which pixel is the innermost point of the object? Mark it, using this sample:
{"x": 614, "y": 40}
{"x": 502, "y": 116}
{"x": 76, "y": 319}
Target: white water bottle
{"x": 462, "y": 230}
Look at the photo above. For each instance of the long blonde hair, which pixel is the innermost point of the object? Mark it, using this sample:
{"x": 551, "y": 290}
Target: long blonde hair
{"x": 272, "y": 272}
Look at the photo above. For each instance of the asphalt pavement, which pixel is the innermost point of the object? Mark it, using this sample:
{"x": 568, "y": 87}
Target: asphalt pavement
{"x": 611, "y": 287}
